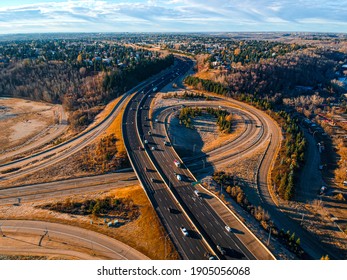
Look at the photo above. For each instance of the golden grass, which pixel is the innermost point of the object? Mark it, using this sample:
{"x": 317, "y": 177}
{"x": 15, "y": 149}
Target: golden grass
{"x": 116, "y": 126}
{"x": 223, "y": 139}
{"x": 144, "y": 234}
{"x": 208, "y": 75}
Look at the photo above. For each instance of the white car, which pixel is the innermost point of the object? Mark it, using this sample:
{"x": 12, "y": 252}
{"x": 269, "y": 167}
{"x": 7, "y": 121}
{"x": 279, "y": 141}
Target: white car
{"x": 153, "y": 148}
{"x": 323, "y": 190}
{"x": 227, "y": 228}
{"x": 184, "y": 231}
{"x": 197, "y": 193}
{"x": 179, "y": 178}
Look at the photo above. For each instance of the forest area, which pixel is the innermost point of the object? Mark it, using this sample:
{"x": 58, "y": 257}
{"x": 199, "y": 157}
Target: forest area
{"x": 83, "y": 84}
{"x": 266, "y": 83}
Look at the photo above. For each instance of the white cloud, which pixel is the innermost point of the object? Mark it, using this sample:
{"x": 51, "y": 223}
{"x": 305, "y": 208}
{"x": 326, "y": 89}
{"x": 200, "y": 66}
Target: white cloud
{"x": 174, "y": 15}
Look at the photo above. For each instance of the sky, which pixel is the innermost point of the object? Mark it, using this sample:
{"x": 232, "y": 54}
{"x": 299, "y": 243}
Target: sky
{"x": 41, "y": 16}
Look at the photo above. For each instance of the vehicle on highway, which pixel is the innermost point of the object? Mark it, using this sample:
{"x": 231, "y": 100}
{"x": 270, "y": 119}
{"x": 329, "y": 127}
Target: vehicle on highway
{"x": 154, "y": 89}
{"x": 184, "y": 231}
{"x": 146, "y": 169}
{"x": 146, "y": 119}
{"x": 149, "y": 132}
{"x": 321, "y": 167}
{"x": 153, "y": 148}
{"x": 197, "y": 193}
{"x": 209, "y": 256}
{"x": 179, "y": 178}
{"x": 166, "y": 143}
{"x": 152, "y": 180}
{"x": 345, "y": 183}
{"x": 227, "y": 228}
{"x": 156, "y": 120}
{"x": 221, "y": 250}
{"x": 323, "y": 190}
{"x": 145, "y": 141}
{"x": 177, "y": 163}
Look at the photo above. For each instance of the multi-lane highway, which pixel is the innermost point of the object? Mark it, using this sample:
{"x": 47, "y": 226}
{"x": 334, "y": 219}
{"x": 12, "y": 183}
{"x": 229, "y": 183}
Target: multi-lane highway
{"x": 65, "y": 188}
{"x": 154, "y": 161}
{"x": 167, "y": 208}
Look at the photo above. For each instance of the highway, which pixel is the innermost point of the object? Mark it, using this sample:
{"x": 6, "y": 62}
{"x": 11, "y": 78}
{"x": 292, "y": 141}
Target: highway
{"x": 65, "y": 188}
{"x": 167, "y": 208}
{"x": 268, "y": 134}
{"x": 204, "y": 217}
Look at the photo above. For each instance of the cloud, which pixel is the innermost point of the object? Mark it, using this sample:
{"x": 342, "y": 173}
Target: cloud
{"x": 174, "y": 15}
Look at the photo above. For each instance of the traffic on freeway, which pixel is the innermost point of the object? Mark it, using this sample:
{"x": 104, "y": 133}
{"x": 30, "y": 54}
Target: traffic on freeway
{"x": 163, "y": 177}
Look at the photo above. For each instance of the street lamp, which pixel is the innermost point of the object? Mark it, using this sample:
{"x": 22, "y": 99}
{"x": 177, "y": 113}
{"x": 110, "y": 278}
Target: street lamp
{"x": 165, "y": 237}
{"x": 268, "y": 240}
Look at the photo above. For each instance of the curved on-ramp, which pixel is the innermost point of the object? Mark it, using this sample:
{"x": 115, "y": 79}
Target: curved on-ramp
{"x": 75, "y": 242}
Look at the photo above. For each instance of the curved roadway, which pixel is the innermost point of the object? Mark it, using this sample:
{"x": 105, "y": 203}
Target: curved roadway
{"x": 14, "y": 234}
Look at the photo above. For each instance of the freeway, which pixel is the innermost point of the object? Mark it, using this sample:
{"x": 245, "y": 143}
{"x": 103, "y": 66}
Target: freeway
{"x": 48, "y": 157}
{"x": 23, "y": 237}
{"x": 270, "y": 135}
{"x": 168, "y": 209}
{"x": 65, "y": 188}
{"x": 204, "y": 217}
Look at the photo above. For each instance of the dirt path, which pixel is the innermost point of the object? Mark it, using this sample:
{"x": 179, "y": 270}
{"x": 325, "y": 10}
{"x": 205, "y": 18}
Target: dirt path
{"x": 27, "y": 125}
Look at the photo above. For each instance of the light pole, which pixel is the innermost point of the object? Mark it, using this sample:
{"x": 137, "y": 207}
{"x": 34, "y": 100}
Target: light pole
{"x": 203, "y": 163}
{"x": 165, "y": 237}
{"x": 268, "y": 240}
{"x": 194, "y": 148}
{"x": 2, "y": 233}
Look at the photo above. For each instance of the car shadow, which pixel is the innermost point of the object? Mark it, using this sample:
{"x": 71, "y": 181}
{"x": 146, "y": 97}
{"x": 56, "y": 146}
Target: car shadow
{"x": 236, "y": 231}
{"x": 193, "y": 234}
{"x": 205, "y": 196}
{"x": 233, "y": 253}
